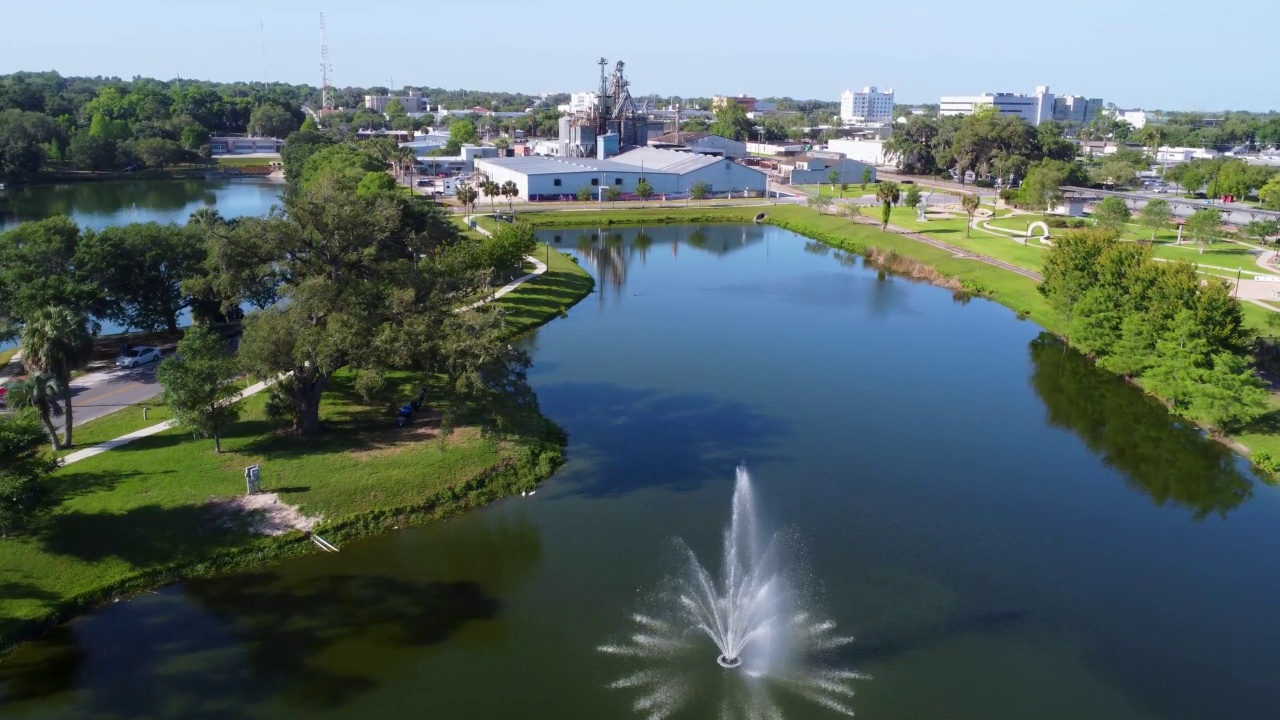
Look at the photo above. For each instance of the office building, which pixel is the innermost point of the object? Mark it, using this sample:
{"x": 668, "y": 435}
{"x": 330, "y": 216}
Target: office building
{"x": 1033, "y": 109}
{"x": 868, "y": 105}
{"x": 412, "y": 102}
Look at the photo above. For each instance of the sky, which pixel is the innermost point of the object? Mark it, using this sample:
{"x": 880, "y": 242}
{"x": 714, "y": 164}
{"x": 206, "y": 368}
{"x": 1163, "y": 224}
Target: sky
{"x": 1171, "y": 54}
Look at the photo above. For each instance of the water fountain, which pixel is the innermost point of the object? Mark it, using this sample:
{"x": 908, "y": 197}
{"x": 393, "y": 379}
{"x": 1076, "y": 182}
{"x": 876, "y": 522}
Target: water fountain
{"x": 758, "y": 624}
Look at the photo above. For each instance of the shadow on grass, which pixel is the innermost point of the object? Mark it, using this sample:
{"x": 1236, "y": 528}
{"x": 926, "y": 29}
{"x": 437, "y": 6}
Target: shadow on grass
{"x": 70, "y": 484}
{"x": 1266, "y": 424}
{"x": 145, "y": 536}
{"x": 634, "y": 438}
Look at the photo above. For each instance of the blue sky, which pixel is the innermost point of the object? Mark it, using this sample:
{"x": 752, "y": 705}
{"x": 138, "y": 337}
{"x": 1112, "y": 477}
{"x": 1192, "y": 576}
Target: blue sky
{"x": 1172, "y": 54}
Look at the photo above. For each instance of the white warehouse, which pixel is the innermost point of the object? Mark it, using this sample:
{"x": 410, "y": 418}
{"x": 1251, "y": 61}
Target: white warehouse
{"x": 671, "y": 173}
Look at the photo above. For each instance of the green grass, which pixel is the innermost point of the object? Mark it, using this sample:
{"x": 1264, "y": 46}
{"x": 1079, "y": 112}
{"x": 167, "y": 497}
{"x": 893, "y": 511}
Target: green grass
{"x": 141, "y": 514}
{"x": 1220, "y": 255}
{"x": 121, "y": 422}
{"x": 855, "y": 190}
{"x": 7, "y": 355}
{"x": 546, "y": 296}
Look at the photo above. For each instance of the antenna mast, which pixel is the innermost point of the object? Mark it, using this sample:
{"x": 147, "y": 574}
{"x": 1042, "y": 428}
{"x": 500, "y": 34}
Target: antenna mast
{"x": 326, "y": 93}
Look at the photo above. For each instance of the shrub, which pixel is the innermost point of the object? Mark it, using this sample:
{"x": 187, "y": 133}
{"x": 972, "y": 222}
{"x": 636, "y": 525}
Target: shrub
{"x": 1263, "y": 462}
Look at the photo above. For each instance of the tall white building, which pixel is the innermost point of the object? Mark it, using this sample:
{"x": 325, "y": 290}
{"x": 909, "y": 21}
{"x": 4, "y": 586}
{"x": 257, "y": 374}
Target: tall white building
{"x": 1077, "y": 109}
{"x": 868, "y": 105}
{"x": 1034, "y": 109}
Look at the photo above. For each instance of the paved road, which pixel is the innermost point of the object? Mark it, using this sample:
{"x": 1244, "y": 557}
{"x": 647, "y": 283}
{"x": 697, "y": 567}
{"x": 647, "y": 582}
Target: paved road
{"x": 97, "y": 393}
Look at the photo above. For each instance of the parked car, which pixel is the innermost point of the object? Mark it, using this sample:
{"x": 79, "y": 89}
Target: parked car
{"x": 135, "y": 356}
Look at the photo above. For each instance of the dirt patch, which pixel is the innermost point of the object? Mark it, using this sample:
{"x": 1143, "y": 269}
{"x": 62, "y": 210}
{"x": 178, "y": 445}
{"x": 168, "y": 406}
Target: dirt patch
{"x": 267, "y": 513}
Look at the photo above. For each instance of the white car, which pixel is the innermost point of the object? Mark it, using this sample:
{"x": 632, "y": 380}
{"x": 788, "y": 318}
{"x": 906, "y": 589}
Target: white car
{"x": 141, "y": 355}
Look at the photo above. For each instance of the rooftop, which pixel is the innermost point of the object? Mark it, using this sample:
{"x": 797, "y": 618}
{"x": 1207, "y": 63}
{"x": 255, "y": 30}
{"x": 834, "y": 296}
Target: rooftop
{"x": 653, "y": 159}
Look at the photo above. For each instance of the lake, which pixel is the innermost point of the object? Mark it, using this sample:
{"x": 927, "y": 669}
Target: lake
{"x": 117, "y": 202}
{"x": 1006, "y": 532}
{"x": 97, "y": 205}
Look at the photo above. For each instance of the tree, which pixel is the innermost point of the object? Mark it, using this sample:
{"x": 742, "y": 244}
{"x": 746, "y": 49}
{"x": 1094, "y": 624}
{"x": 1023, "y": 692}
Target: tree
{"x": 1157, "y": 215}
{"x": 911, "y": 198}
{"x": 1269, "y": 193}
{"x": 199, "y": 387}
{"x": 1205, "y": 227}
{"x": 491, "y": 190}
{"x": 56, "y": 342}
{"x": 394, "y": 108}
{"x": 365, "y": 283}
{"x": 24, "y": 493}
{"x": 271, "y": 120}
{"x": 38, "y": 269}
{"x": 1132, "y": 353}
{"x": 612, "y": 194}
{"x": 502, "y": 143}
{"x": 21, "y": 136}
{"x": 833, "y": 177}
{"x": 299, "y": 147}
{"x": 140, "y": 269}
{"x": 467, "y": 195}
{"x": 887, "y": 193}
{"x": 731, "y": 122}
{"x": 700, "y": 190}
{"x": 866, "y": 177}
{"x": 461, "y": 132}
{"x": 1042, "y": 188}
{"x": 970, "y": 202}
{"x": 1071, "y": 267}
{"x": 1260, "y": 230}
{"x": 1114, "y": 173}
{"x": 819, "y": 202}
{"x": 86, "y": 152}
{"x": 510, "y": 191}
{"x": 157, "y": 153}
{"x": 1181, "y": 357}
{"x": 42, "y": 394}
{"x": 644, "y": 190}
{"x": 1112, "y": 213}
{"x": 1228, "y": 394}
{"x": 585, "y": 194}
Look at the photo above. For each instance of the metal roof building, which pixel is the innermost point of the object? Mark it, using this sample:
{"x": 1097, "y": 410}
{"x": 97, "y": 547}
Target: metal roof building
{"x": 670, "y": 173}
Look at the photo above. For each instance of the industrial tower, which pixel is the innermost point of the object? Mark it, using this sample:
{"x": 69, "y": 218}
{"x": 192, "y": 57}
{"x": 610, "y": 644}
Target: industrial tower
{"x": 326, "y": 93}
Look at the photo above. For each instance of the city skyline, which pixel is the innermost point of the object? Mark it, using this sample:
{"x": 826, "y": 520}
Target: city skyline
{"x": 939, "y": 49}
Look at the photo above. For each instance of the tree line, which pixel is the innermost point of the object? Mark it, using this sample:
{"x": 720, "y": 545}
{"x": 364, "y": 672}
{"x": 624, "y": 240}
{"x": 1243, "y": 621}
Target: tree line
{"x": 47, "y": 120}
{"x": 1176, "y": 333}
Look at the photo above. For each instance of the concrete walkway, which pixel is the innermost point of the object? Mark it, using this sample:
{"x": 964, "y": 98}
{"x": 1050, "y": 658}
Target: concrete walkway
{"x": 538, "y": 268}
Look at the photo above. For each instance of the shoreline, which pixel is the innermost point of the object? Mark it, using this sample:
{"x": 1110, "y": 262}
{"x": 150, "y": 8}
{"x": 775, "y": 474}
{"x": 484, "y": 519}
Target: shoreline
{"x": 883, "y": 251}
{"x": 537, "y": 463}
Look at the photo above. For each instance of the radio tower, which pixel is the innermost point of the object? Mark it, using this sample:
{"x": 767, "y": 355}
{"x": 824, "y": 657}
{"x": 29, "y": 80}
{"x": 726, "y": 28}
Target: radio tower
{"x": 326, "y": 94}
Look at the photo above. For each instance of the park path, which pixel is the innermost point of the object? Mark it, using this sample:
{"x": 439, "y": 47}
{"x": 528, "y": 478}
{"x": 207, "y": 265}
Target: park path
{"x": 538, "y": 269}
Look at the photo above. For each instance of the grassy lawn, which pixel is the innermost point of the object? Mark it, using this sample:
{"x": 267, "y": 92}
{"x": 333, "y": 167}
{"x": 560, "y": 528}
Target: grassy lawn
{"x": 546, "y": 296}
{"x": 142, "y": 513}
{"x": 855, "y": 190}
{"x": 121, "y": 422}
{"x": 1220, "y": 255}
{"x": 7, "y": 355}
{"x": 952, "y": 231}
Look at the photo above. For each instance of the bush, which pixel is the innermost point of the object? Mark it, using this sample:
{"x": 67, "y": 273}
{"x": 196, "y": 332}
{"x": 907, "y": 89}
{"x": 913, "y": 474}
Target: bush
{"x": 1267, "y": 465}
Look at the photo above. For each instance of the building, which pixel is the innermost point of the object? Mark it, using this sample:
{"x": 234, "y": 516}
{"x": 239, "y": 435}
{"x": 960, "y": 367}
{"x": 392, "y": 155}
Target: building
{"x": 871, "y": 152}
{"x": 1137, "y": 118}
{"x": 244, "y": 145}
{"x": 701, "y": 143}
{"x": 748, "y": 104}
{"x": 400, "y": 136}
{"x": 412, "y": 101}
{"x": 776, "y": 148}
{"x": 815, "y": 168}
{"x": 1077, "y": 109}
{"x": 1174, "y": 155}
{"x": 868, "y": 105}
{"x": 669, "y": 172}
{"x": 581, "y": 102}
{"x": 1034, "y": 109}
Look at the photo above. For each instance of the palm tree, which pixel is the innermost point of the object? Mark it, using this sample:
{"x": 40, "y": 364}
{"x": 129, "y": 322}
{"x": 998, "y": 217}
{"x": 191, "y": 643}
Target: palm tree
{"x": 491, "y": 190}
{"x": 887, "y": 193}
{"x": 40, "y": 392}
{"x": 205, "y": 217}
{"x": 970, "y": 203}
{"x": 404, "y": 158}
{"x": 510, "y": 191}
{"x": 467, "y": 196}
{"x": 56, "y": 342}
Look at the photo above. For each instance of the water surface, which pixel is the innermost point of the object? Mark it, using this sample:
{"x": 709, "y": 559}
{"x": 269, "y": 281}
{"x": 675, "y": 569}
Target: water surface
{"x": 1007, "y": 532}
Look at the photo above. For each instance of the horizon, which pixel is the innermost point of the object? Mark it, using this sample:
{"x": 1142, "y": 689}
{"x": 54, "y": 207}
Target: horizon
{"x": 946, "y": 53}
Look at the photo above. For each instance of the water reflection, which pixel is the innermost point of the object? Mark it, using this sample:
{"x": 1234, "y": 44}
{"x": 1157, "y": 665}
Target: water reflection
{"x": 210, "y": 647}
{"x": 1169, "y": 462}
{"x": 100, "y": 204}
{"x": 611, "y": 252}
